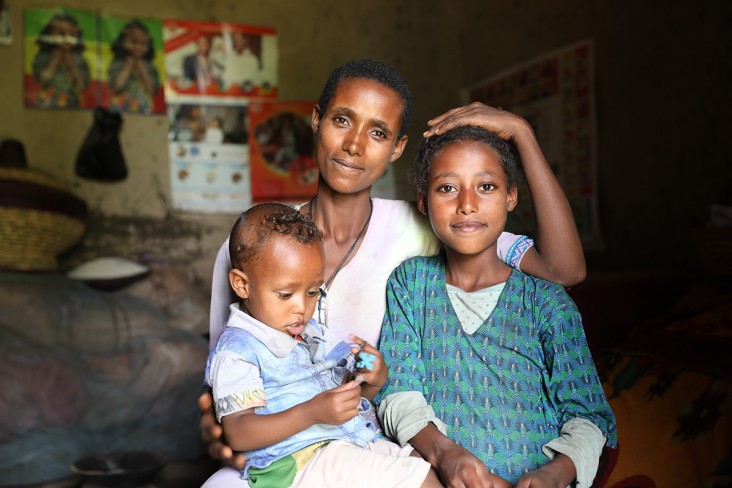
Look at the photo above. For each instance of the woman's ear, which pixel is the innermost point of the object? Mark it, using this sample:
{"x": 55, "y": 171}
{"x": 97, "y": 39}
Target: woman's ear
{"x": 315, "y": 121}
{"x": 512, "y": 198}
{"x": 422, "y": 203}
{"x": 239, "y": 283}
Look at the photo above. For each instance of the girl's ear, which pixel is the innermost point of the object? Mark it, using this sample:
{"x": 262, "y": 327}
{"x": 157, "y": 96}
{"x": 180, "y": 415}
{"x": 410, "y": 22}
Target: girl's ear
{"x": 239, "y": 283}
{"x": 422, "y": 203}
{"x": 511, "y": 198}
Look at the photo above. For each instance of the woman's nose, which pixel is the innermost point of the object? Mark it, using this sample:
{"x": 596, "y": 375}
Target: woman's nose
{"x": 353, "y": 143}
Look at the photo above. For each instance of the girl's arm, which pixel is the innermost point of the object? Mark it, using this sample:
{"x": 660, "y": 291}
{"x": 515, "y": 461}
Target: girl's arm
{"x": 558, "y": 256}
{"x": 246, "y": 431}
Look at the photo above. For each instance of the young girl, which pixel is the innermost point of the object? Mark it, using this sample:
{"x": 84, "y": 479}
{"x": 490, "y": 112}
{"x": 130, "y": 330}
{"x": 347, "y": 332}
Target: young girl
{"x": 132, "y": 75}
{"x": 59, "y": 68}
{"x": 492, "y": 357}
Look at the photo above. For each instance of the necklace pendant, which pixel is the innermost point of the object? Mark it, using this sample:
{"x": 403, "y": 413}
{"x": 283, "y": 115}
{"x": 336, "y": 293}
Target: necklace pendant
{"x": 323, "y": 310}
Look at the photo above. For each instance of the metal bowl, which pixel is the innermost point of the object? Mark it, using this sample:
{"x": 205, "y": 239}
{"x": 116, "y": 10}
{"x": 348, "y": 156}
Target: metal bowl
{"x": 119, "y": 469}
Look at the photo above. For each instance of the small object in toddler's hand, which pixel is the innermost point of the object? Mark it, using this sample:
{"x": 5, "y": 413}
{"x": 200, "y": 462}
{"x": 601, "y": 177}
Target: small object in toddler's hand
{"x": 365, "y": 361}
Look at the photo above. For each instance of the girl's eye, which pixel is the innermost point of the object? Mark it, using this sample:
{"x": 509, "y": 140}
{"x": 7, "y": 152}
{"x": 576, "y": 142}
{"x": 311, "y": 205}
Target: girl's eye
{"x": 487, "y": 187}
{"x": 314, "y": 293}
{"x": 446, "y": 189}
{"x": 285, "y": 296}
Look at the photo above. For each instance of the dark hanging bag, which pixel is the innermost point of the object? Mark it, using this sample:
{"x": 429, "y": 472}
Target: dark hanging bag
{"x": 100, "y": 157}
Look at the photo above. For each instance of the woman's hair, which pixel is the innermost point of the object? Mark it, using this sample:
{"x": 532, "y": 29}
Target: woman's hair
{"x": 45, "y": 44}
{"x": 367, "y": 69}
{"x": 260, "y": 224}
{"x": 118, "y": 46}
{"x": 433, "y": 145}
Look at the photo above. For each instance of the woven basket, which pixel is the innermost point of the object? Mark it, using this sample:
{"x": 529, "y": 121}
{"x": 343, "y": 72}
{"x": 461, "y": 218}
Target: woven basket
{"x": 39, "y": 219}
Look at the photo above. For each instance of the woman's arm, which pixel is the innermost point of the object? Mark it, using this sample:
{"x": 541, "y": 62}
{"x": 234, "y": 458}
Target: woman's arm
{"x": 558, "y": 255}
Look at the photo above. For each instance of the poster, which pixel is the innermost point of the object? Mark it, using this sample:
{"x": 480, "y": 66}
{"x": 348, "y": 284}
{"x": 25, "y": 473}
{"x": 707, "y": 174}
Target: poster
{"x": 60, "y": 59}
{"x": 210, "y": 62}
{"x": 132, "y": 68}
{"x": 555, "y": 94}
{"x": 209, "y": 158}
{"x": 281, "y": 151}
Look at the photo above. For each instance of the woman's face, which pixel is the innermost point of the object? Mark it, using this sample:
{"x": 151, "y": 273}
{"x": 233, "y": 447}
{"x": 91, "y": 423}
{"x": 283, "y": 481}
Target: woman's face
{"x": 356, "y": 139}
{"x": 136, "y": 43}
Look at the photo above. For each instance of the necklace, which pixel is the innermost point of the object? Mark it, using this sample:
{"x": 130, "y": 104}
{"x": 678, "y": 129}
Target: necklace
{"x": 322, "y": 301}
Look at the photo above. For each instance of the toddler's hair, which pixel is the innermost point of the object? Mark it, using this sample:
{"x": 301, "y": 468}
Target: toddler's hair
{"x": 431, "y": 146}
{"x": 266, "y": 221}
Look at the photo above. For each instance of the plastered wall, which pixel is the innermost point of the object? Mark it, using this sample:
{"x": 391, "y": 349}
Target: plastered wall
{"x": 314, "y": 36}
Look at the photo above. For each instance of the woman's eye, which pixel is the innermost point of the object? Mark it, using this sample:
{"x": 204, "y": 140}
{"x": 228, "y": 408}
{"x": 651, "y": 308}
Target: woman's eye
{"x": 340, "y": 120}
{"x": 380, "y": 134}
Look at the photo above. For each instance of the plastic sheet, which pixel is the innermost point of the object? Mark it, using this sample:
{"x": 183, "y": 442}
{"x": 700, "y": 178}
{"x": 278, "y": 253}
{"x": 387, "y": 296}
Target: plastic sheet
{"x": 86, "y": 372}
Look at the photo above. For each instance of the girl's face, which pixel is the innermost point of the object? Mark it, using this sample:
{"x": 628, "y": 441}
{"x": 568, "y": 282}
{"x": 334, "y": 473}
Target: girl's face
{"x": 65, "y": 34}
{"x": 467, "y": 197}
{"x": 137, "y": 43}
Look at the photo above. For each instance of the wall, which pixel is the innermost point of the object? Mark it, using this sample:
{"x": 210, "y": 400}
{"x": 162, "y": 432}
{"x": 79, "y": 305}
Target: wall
{"x": 663, "y": 105}
{"x": 662, "y": 87}
{"x": 135, "y": 215}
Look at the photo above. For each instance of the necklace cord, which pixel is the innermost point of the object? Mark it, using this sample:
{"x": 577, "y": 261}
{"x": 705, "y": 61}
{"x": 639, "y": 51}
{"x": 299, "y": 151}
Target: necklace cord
{"x": 353, "y": 246}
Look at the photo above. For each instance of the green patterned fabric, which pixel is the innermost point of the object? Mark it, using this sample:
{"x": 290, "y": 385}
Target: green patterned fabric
{"x": 505, "y": 390}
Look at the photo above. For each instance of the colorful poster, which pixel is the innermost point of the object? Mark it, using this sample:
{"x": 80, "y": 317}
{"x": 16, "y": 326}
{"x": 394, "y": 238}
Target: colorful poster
{"x": 208, "y": 62}
{"x": 60, "y": 60}
{"x": 209, "y": 158}
{"x": 281, "y": 151}
{"x": 132, "y": 65}
{"x": 555, "y": 94}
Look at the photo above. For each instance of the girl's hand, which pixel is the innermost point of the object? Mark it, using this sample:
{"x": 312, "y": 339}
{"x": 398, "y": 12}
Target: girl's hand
{"x": 503, "y": 123}
{"x": 370, "y": 367}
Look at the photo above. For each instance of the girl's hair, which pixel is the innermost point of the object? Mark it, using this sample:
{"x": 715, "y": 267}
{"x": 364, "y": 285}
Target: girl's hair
{"x": 45, "y": 45}
{"x": 505, "y": 151}
{"x": 118, "y": 46}
{"x": 260, "y": 224}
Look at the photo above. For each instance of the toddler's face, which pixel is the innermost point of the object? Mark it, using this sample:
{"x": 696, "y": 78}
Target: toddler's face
{"x": 284, "y": 284}
{"x": 136, "y": 43}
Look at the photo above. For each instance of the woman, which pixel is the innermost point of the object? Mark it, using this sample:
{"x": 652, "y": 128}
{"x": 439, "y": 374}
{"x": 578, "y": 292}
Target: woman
{"x": 360, "y": 126}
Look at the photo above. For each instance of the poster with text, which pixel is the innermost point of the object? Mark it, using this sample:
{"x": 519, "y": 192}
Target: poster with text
{"x": 281, "y": 151}
{"x": 209, "y": 158}
{"x": 555, "y": 94}
{"x": 132, "y": 65}
{"x": 60, "y": 62}
{"x": 209, "y": 62}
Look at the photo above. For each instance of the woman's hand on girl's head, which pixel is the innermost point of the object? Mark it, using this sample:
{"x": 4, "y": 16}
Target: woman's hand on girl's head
{"x": 497, "y": 120}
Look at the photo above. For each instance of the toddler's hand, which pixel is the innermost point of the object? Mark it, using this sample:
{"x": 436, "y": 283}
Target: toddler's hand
{"x": 370, "y": 366}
